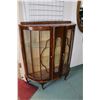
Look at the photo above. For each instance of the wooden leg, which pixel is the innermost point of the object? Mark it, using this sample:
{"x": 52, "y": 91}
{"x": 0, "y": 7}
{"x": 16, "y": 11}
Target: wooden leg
{"x": 66, "y": 74}
{"x": 65, "y": 77}
{"x": 27, "y": 80}
{"x": 42, "y": 84}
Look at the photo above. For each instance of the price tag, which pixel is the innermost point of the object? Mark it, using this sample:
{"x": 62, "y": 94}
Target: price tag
{"x": 30, "y": 28}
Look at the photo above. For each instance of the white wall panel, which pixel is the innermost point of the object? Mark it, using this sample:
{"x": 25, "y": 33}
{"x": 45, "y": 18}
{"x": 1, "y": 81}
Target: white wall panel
{"x": 42, "y": 11}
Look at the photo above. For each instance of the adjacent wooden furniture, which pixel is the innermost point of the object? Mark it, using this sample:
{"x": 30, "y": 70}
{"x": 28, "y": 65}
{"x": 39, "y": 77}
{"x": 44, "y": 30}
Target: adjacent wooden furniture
{"x": 80, "y": 16}
{"x": 46, "y": 49}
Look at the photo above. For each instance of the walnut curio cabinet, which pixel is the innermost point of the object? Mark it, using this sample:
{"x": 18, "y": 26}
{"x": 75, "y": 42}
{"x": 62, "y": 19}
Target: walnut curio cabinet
{"x": 46, "y": 49}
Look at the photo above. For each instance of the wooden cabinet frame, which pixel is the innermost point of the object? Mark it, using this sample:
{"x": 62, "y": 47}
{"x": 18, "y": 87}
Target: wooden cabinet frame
{"x": 57, "y": 30}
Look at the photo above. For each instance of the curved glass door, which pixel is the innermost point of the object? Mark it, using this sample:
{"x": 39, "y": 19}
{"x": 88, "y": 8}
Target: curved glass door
{"x": 37, "y": 49}
{"x": 27, "y": 50}
{"x": 44, "y": 53}
{"x": 67, "y": 47}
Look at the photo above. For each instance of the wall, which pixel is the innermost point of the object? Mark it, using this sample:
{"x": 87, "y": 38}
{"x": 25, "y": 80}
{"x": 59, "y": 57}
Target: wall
{"x": 19, "y": 53}
{"x": 70, "y": 14}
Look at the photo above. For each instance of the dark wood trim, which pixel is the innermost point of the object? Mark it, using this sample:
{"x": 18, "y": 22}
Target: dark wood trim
{"x": 51, "y": 53}
{"x": 40, "y": 56}
{"x": 35, "y": 28}
{"x": 46, "y": 22}
{"x": 78, "y": 16}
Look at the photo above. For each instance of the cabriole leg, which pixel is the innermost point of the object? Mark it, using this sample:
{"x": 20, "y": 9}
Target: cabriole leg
{"x": 65, "y": 77}
{"x": 27, "y": 79}
{"x": 66, "y": 74}
{"x": 42, "y": 84}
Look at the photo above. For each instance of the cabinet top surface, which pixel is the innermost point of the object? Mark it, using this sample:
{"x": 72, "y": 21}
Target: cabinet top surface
{"x": 52, "y": 24}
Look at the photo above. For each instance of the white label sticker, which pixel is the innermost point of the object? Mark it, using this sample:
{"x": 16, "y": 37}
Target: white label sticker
{"x": 30, "y": 28}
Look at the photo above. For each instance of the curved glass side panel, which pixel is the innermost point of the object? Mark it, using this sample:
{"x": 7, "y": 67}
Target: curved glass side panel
{"x": 27, "y": 50}
{"x": 66, "y": 53}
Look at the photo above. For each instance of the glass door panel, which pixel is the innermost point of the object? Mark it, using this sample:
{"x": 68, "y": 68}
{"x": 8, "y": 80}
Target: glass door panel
{"x": 27, "y": 50}
{"x": 44, "y": 53}
{"x": 57, "y": 55}
{"x": 35, "y": 54}
{"x": 37, "y": 48}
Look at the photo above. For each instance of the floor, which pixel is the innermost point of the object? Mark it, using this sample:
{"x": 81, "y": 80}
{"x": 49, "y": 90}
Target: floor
{"x": 69, "y": 89}
{"x": 25, "y": 91}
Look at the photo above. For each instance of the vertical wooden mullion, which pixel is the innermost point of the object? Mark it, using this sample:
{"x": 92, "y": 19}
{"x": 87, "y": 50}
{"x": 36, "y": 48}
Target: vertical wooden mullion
{"x": 31, "y": 51}
{"x": 40, "y": 55}
{"x": 51, "y": 53}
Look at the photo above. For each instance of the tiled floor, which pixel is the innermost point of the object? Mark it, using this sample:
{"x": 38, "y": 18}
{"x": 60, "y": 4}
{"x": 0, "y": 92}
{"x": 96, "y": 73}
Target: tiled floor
{"x": 69, "y": 89}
